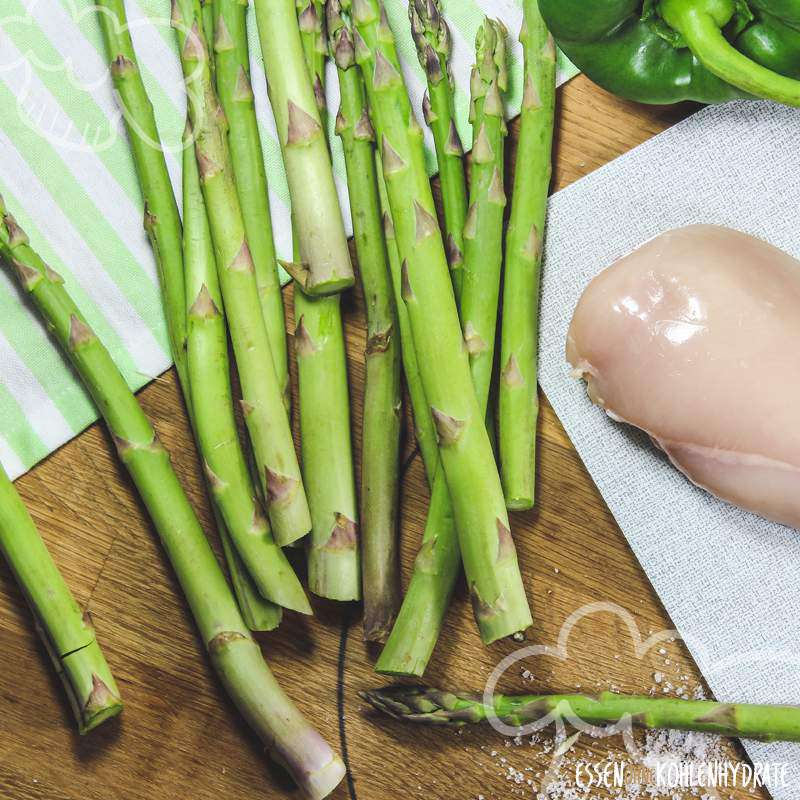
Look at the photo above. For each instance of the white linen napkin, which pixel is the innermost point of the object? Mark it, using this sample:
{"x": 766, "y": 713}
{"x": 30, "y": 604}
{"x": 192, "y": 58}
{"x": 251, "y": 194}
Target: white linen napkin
{"x": 729, "y": 580}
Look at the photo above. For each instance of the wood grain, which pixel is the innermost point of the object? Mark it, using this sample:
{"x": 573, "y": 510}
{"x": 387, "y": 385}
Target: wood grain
{"x": 180, "y": 737}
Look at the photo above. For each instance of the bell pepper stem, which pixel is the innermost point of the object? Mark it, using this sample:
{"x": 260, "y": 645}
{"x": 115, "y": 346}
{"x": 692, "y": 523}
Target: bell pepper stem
{"x": 705, "y": 39}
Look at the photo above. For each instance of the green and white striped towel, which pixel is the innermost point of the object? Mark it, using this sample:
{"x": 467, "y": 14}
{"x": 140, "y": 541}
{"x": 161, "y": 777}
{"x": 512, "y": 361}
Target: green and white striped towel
{"x": 66, "y": 172}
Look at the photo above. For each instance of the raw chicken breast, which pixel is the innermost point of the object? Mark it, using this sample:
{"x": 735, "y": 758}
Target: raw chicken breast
{"x": 695, "y": 338}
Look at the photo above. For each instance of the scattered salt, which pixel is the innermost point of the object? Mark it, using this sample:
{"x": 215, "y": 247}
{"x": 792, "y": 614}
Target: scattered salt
{"x": 559, "y": 764}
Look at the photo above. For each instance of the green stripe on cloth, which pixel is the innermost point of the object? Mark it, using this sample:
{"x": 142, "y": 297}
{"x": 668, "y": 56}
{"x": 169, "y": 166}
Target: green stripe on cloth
{"x": 31, "y": 341}
{"x": 19, "y": 436}
{"x": 67, "y": 174}
{"x": 89, "y": 220}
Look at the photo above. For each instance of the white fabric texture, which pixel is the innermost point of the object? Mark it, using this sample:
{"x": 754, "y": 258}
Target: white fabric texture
{"x": 729, "y": 580}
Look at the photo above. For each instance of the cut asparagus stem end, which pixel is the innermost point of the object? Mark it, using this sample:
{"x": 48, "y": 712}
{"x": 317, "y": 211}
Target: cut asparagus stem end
{"x": 516, "y": 503}
{"x": 328, "y": 287}
{"x": 99, "y": 695}
{"x": 102, "y": 705}
{"x": 66, "y": 632}
{"x": 334, "y": 569}
{"x": 291, "y": 742}
{"x": 258, "y": 614}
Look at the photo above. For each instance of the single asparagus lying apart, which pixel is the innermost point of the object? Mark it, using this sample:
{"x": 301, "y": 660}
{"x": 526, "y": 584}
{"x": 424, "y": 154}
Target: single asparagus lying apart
{"x": 435, "y": 707}
{"x": 234, "y": 654}
{"x": 66, "y": 631}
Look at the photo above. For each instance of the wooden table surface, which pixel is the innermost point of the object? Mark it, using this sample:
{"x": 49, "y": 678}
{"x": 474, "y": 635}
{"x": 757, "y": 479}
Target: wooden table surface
{"x": 179, "y": 736}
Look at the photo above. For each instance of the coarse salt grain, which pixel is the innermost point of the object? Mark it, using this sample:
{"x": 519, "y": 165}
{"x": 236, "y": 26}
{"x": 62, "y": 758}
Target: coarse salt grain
{"x": 655, "y": 747}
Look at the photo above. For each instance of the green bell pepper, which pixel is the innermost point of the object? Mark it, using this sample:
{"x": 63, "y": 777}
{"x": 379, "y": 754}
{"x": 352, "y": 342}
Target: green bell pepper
{"x": 665, "y": 51}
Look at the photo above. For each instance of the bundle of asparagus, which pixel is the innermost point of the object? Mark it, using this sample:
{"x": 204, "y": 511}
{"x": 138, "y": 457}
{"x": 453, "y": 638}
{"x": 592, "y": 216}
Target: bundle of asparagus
{"x": 262, "y": 394}
{"x": 295, "y": 52}
{"x": 478, "y": 280}
{"x": 234, "y": 654}
{"x": 219, "y": 272}
{"x": 248, "y": 540}
{"x": 419, "y": 621}
{"x": 488, "y": 552}
{"x": 231, "y": 66}
{"x": 212, "y": 406}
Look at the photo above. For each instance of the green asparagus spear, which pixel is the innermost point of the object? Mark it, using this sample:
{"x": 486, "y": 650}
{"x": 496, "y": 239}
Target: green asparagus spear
{"x": 483, "y": 233}
{"x": 490, "y": 560}
{"x": 233, "y": 652}
{"x": 163, "y": 227}
{"x": 66, "y": 631}
{"x": 334, "y": 562}
{"x": 312, "y": 22}
{"x": 432, "y": 38}
{"x": 233, "y": 85}
{"x": 424, "y": 430}
{"x": 207, "y": 12}
{"x": 416, "y": 630}
{"x": 434, "y": 707}
{"x": 212, "y": 404}
{"x": 334, "y": 559}
{"x": 436, "y": 567}
{"x": 311, "y": 19}
{"x": 200, "y": 268}
{"x": 518, "y": 400}
{"x": 257, "y": 612}
{"x": 326, "y": 267}
{"x": 380, "y": 433}
{"x": 161, "y": 219}
{"x": 262, "y": 402}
